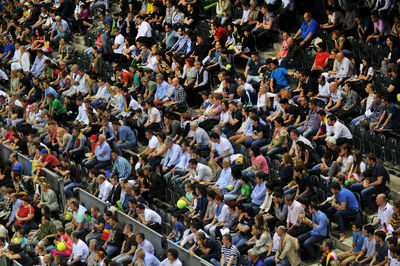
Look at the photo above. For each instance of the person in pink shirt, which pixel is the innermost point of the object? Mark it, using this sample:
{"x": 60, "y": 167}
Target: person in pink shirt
{"x": 381, "y": 29}
{"x": 66, "y": 238}
{"x": 258, "y": 164}
{"x": 284, "y": 50}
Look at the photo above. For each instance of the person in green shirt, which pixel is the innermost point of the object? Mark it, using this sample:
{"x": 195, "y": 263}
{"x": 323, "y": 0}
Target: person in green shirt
{"x": 56, "y": 109}
{"x": 245, "y": 190}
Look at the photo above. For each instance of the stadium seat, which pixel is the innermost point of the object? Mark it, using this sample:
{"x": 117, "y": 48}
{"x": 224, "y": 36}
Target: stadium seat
{"x": 390, "y": 150}
{"x": 369, "y": 141}
{"x": 379, "y": 146}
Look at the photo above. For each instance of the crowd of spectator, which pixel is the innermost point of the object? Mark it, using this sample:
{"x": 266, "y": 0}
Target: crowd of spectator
{"x": 159, "y": 119}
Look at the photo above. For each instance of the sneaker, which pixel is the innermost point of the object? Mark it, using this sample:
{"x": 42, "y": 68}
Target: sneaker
{"x": 342, "y": 237}
{"x": 325, "y": 177}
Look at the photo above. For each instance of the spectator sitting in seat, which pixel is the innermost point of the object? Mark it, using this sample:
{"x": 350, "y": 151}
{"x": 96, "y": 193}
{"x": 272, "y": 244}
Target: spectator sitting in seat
{"x": 358, "y": 242}
{"x": 374, "y": 182}
{"x": 344, "y": 204}
{"x": 319, "y": 231}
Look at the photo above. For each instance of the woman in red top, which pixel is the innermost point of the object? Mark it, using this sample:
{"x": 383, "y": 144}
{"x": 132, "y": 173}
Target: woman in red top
{"x": 25, "y": 215}
{"x": 321, "y": 58}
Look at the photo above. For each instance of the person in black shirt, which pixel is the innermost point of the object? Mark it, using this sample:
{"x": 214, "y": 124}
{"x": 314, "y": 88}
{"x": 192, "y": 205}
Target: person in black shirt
{"x": 394, "y": 88}
{"x": 302, "y": 111}
{"x": 15, "y": 253}
{"x": 205, "y": 247}
{"x": 71, "y": 176}
{"x": 373, "y": 184}
{"x": 303, "y": 183}
{"x": 200, "y": 50}
{"x": 235, "y": 120}
{"x": 128, "y": 246}
{"x": 19, "y": 144}
{"x": 259, "y": 137}
{"x": 96, "y": 224}
{"x": 381, "y": 249}
{"x": 309, "y": 85}
{"x": 244, "y": 227}
{"x": 290, "y": 112}
{"x": 113, "y": 244}
{"x": 156, "y": 189}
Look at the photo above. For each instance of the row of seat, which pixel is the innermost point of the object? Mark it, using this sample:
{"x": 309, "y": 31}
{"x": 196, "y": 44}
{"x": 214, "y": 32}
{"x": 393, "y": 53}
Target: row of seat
{"x": 385, "y": 149}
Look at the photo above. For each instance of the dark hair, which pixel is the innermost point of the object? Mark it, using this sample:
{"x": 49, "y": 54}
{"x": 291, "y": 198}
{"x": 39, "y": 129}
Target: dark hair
{"x": 214, "y": 135}
{"x": 358, "y": 225}
{"x": 321, "y": 112}
{"x": 173, "y": 252}
{"x": 335, "y": 186}
{"x": 193, "y": 161}
{"x": 295, "y": 131}
{"x": 381, "y": 235}
{"x": 256, "y": 150}
{"x": 332, "y": 117}
{"x": 370, "y": 229}
{"x": 279, "y": 120}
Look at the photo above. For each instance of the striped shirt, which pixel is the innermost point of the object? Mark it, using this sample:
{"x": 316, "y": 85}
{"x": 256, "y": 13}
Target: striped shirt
{"x": 228, "y": 252}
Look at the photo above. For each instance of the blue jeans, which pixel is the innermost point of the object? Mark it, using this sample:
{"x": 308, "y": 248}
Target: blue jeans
{"x": 110, "y": 250}
{"x": 239, "y": 240}
{"x": 366, "y": 193}
{"x": 309, "y": 132}
{"x": 340, "y": 216}
{"x": 308, "y": 240}
{"x": 356, "y": 121}
{"x": 125, "y": 145}
{"x": 317, "y": 167}
{"x": 270, "y": 261}
{"x": 259, "y": 142}
{"x": 68, "y": 187}
{"x": 272, "y": 151}
{"x": 215, "y": 262}
{"x": 289, "y": 191}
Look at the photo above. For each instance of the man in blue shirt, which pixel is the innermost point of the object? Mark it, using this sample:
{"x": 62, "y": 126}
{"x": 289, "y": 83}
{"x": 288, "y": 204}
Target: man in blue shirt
{"x": 126, "y": 138}
{"x": 170, "y": 36}
{"x": 344, "y": 204}
{"x": 319, "y": 231}
{"x": 307, "y": 32}
{"x": 145, "y": 258}
{"x": 121, "y": 166}
{"x": 278, "y": 77}
{"x": 37, "y": 67}
{"x": 8, "y": 50}
{"x": 162, "y": 88}
{"x": 15, "y": 165}
{"x": 61, "y": 28}
{"x": 174, "y": 153}
{"x": 358, "y": 242}
{"x": 102, "y": 155}
{"x": 254, "y": 63}
{"x": 258, "y": 193}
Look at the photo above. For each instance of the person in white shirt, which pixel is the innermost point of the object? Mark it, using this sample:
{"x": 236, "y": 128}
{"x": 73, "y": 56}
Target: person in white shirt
{"x": 172, "y": 258}
{"x": 295, "y": 136}
{"x": 149, "y": 217}
{"x": 15, "y": 60}
{"x": 338, "y": 130}
{"x": 323, "y": 90}
{"x": 144, "y": 28}
{"x": 152, "y": 143}
{"x": 82, "y": 117}
{"x": 105, "y": 187}
{"x": 385, "y": 213}
{"x": 221, "y": 147}
{"x": 198, "y": 172}
{"x": 80, "y": 251}
{"x": 118, "y": 46}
